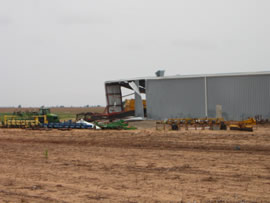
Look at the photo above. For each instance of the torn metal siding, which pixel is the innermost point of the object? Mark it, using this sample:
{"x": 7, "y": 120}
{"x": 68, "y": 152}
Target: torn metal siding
{"x": 240, "y": 96}
{"x": 114, "y": 100}
{"x": 175, "y": 98}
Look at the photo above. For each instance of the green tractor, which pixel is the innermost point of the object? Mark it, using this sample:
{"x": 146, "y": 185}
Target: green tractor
{"x": 52, "y": 118}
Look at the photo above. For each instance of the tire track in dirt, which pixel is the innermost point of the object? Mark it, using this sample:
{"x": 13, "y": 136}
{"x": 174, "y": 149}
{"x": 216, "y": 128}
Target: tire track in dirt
{"x": 88, "y": 166}
{"x": 145, "y": 144}
{"x": 31, "y": 197}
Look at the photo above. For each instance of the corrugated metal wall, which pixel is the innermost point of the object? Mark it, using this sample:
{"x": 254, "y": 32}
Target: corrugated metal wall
{"x": 240, "y": 96}
{"x": 175, "y": 98}
{"x": 114, "y": 101}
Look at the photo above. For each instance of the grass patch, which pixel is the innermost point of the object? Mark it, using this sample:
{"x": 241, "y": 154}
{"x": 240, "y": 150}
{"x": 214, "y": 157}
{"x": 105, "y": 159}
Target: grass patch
{"x": 46, "y": 154}
{"x": 66, "y": 116}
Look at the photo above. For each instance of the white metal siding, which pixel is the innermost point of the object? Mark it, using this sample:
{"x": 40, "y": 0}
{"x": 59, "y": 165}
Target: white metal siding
{"x": 240, "y": 96}
{"x": 175, "y": 98}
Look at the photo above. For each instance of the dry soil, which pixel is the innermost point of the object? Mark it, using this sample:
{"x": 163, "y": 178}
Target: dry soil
{"x": 134, "y": 166}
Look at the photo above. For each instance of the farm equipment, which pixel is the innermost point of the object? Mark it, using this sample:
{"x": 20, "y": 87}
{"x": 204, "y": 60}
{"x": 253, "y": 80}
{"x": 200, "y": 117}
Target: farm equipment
{"x": 51, "y": 118}
{"x": 29, "y": 119}
{"x": 260, "y": 120}
{"x": 41, "y": 122}
{"x": 43, "y": 119}
{"x": 129, "y": 105}
{"x": 69, "y": 125}
{"x": 118, "y": 125}
{"x": 211, "y": 123}
{"x": 246, "y": 125}
{"x": 129, "y": 110}
{"x": 90, "y": 116}
{"x": 19, "y": 122}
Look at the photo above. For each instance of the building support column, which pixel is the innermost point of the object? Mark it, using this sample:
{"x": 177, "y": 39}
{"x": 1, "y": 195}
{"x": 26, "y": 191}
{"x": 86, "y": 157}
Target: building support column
{"x": 205, "y": 97}
{"x": 139, "y": 111}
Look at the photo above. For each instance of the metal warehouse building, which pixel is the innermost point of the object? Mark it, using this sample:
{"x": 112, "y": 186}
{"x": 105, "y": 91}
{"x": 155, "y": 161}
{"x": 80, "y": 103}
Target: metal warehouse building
{"x": 239, "y": 95}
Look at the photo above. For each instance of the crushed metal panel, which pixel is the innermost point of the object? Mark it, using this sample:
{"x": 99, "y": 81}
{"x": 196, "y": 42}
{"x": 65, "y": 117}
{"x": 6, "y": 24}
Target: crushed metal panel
{"x": 175, "y": 98}
{"x": 135, "y": 87}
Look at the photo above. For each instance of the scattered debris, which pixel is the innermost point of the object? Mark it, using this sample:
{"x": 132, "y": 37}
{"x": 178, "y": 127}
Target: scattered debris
{"x": 133, "y": 118}
{"x": 91, "y": 125}
{"x": 237, "y": 147}
{"x": 117, "y": 125}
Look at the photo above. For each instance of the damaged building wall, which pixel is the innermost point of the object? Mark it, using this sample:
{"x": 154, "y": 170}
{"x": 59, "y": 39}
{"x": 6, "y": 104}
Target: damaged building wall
{"x": 175, "y": 98}
{"x": 114, "y": 97}
{"x": 114, "y": 100}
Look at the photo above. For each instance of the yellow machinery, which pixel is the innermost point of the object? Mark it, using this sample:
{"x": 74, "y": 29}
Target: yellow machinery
{"x": 246, "y": 125}
{"x": 16, "y": 122}
{"x": 213, "y": 123}
{"x": 130, "y": 104}
{"x": 192, "y": 121}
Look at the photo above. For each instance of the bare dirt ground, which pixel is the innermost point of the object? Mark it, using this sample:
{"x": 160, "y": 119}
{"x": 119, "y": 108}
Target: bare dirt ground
{"x": 134, "y": 166}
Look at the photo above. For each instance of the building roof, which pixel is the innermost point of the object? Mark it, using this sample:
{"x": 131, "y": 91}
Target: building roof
{"x": 192, "y": 76}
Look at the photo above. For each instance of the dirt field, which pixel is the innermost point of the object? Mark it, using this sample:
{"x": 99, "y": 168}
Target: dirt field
{"x": 134, "y": 166}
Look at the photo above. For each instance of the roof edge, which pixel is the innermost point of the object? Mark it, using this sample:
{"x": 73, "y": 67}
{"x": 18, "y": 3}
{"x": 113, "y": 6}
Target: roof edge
{"x": 192, "y": 76}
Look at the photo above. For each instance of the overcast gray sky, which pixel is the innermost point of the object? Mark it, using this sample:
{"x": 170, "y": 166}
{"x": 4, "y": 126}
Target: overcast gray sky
{"x": 60, "y": 52}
